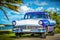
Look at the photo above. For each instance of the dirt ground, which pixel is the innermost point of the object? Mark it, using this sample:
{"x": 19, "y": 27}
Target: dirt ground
{"x": 55, "y": 37}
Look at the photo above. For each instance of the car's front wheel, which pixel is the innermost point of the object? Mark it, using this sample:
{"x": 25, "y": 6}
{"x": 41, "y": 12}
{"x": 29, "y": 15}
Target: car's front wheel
{"x": 32, "y": 34}
{"x": 17, "y": 35}
{"x": 43, "y": 35}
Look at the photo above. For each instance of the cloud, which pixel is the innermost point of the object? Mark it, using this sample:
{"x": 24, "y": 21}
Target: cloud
{"x": 39, "y": 9}
{"x": 36, "y": 2}
{"x": 43, "y": 3}
{"x": 40, "y": 4}
{"x": 51, "y": 9}
{"x": 29, "y": 3}
{"x": 25, "y": 9}
{"x": 58, "y": 9}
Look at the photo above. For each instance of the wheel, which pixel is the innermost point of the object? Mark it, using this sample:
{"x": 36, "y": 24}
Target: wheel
{"x": 52, "y": 33}
{"x": 17, "y": 35}
{"x": 43, "y": 35}
{"x": 32, "y": 34}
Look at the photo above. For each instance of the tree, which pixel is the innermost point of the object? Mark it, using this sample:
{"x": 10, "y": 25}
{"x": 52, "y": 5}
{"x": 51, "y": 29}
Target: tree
{"x": 4, "y": 13}
{"x": 54, "y": 16}
{"x": 1, "y": 4}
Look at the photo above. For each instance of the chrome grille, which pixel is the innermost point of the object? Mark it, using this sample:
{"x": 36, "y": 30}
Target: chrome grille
{"x": 31, "y": 27}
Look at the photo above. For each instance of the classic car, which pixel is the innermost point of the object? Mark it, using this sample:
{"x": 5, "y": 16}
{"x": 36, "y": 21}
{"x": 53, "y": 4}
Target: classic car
{"x": 34, "y": 23}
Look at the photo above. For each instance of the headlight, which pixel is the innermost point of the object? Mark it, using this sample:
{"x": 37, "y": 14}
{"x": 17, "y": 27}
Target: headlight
{"x": 14, "y": 22}
{"x": 40, "y": 22}
{"x": 16, "y": 28}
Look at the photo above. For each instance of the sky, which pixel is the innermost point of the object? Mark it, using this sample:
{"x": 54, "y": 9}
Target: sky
{"x": 40, "y": 5}
{"x": 29, "y": 6}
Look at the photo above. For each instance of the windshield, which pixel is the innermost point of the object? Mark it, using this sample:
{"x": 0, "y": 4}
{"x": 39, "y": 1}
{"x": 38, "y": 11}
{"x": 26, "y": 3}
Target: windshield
{"x": 33, "y": 16}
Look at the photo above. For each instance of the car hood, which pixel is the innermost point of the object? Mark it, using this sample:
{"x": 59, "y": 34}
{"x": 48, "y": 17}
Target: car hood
{"x": 34, "y": 22}
{"x": 31, "y": 22}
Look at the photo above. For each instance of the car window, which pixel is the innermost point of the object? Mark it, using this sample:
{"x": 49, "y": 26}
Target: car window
{"x": 33, "y": 16}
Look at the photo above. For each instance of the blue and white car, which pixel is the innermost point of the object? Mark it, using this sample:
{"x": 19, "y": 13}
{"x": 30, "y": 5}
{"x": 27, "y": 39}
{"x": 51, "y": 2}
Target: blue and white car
{"x": 34, "y": 23}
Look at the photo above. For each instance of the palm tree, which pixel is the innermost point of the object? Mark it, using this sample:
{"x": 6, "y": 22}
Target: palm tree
{"x": 4, "y": 13}
{"x": 54, "y": 16}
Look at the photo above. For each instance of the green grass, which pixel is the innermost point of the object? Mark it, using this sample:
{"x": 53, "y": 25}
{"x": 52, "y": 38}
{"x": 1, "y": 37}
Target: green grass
{"x": 6, "y": 36}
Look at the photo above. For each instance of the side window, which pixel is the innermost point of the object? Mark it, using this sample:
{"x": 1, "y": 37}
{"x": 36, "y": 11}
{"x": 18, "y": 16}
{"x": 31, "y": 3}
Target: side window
{"x": 28, "y": 16}
{"x": 25, "y": 16}
{"x": 50, "y": 17}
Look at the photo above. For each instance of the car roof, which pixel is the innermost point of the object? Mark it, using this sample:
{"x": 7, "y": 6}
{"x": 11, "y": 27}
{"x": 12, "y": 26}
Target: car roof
{"x": 37, "y": 13}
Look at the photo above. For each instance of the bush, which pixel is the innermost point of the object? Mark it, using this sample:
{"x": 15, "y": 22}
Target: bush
{"x": 5, "y": 32}
{"x": 5, "y": 38}
{"x": 6, "y": 35}
{"x": 57, "y": 30}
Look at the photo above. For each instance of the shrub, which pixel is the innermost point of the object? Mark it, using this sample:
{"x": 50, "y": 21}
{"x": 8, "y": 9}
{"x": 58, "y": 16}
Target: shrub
{"x": 57, "y": 30}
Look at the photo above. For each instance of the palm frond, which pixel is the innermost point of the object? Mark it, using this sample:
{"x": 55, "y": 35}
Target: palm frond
{"x": 5, "y": 13}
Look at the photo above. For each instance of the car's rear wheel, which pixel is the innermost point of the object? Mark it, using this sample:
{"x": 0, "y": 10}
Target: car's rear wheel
{"x": 51, "y": 33}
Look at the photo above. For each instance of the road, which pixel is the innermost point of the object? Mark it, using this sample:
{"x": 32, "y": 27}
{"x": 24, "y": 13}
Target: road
{"x": 55, "y": 37}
